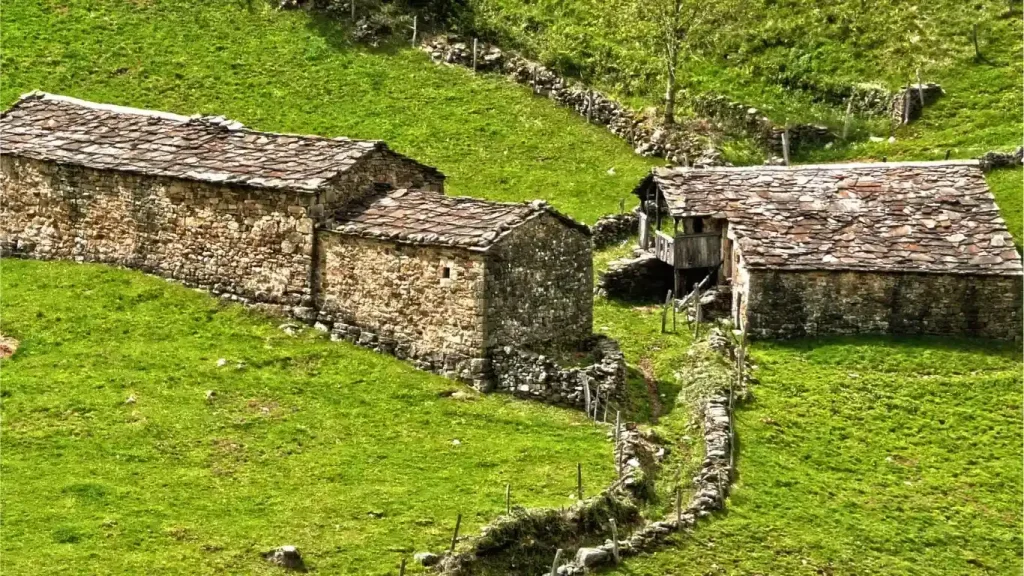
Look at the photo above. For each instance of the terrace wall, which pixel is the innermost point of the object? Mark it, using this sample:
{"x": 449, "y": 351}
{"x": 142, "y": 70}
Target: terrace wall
{"x": 784, "y": 304}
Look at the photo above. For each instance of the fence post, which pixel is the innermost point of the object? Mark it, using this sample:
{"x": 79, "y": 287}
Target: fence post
{"x": 455, "y": 535}
{"x": 554, "y": 564}
{"x": 586, "y": 394}
{"x": 785, "y": 146}
{"x": 508, "y": 498}
{"x": 615, "y": 541}
{"x": 401, "y": 568}
{"x": 352, "y": 5}
{"x": 920, "y": 89}
{"x": 414, "y": 23}
{"x": 679, "y": 504}
{"x": 846, "y": 119}
{"x": 664, "y": 310}
{"x": 474, "y": 55}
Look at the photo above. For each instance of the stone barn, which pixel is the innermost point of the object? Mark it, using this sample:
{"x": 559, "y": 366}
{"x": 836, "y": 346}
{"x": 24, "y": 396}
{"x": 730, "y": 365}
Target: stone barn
{"x": 203, "y": 200}
{"x": 907, "y": 248}
{"x": 342, "y": 232}
{"x": 447, "y": 280}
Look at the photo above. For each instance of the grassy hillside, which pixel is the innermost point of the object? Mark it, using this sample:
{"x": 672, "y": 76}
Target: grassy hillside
{"x": 784, "y": 55}
{"x": 345, "y": 453}
{"x": 293, "y": 72}
{"x": 870, "y": 456}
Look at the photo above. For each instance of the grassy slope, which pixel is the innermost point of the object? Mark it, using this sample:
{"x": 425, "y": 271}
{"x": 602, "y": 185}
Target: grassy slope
{"x": 298, "y": 447}
{"x": 870, "y": 456}
{"x": 772, "y": 43}
{"x": 292, "y": 72}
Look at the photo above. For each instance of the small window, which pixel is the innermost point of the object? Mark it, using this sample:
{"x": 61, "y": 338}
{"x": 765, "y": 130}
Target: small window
{"x": 446, "y": 272}
{"x": 698, "y": 225}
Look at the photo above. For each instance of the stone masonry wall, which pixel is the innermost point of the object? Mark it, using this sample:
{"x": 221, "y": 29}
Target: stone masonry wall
{"x": 791, "y": 304}
{"x": 379, "y": 167}
{"x": 535, "y": 376}
{"x": 231, "y": 239}
{"x": 539, "y": 286}
{"x": 400, "y": 296}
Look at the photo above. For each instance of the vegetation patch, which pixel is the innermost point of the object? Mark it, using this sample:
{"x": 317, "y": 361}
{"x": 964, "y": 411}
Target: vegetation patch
{"x": 349, "y": 455}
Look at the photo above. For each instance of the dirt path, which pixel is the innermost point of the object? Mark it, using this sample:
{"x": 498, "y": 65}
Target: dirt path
{"x": 647, "y": 369}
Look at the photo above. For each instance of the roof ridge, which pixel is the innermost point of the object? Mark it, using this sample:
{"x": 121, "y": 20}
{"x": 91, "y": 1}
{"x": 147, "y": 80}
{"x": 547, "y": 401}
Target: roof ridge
{"x": 829, "y": 166}
{"x": 217, "y": 121}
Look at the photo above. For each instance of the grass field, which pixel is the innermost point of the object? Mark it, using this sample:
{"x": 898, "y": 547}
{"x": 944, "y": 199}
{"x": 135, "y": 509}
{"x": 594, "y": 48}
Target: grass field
{"x": 295, "y": 72}
{"x": 870, "y": 456}
{"x": 345, "y": 453}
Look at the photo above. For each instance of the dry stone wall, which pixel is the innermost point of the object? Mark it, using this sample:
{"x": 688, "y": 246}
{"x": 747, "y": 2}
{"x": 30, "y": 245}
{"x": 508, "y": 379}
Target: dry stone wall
{"x": 255, "y": 244}
{"x": 648, "y": 137}
{"x": 614, "y": 228}
{"x": 538, "y": 377}
{"x": 377, "y": 169}
{"x": 786, "y": 304}
{"x": 419, "y": 302}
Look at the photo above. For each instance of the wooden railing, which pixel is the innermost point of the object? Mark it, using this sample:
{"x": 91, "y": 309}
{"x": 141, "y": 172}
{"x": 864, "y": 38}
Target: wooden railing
{"x": 689, "y": 250}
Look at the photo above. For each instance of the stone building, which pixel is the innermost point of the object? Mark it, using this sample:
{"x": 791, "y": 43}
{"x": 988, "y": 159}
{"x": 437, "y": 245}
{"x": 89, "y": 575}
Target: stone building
{"x": 912, "y": 248}
{"x": 343, "y": 232}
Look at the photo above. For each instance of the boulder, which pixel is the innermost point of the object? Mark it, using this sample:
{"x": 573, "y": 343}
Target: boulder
{"x": 590, "y": 557}
{"x": 287, "y": 557}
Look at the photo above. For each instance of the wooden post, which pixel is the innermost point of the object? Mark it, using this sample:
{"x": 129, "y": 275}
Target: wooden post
{"x": 586, "y": 395}
{"x": 618, "y": 441}
{"x": 948, "y": 152}
{"x": 607, "y": 397}
{"x": 579, "y": 481}
{"x": 622, "y": 205}
{"x": 615, "y": 541}
{"x": 846, "y": 119}
{"x": 508, "y": 498}
{"x": 554, "y": 564}
{"x": 414, "y": 23}
{"x": 679, "y": 504}
{"x": 906, "y": 105}
{"x": 352, "y": 5}
{"x": 920, "y": 89}
{"x": 664, "y": 310}
{"x": 590, "y": 105}
{"x": 698, "y": 313}
{"x": 977, "y": 51}
{"x": 474, "y": 55}
{"x": 673, "y": 317}
{"x": 455, "y": 535}
{"x": 401, "y": 568}
{"x": 785, "y": 146}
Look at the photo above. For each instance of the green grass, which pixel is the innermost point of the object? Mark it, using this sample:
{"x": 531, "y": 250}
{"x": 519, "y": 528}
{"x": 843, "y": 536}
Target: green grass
{"x": 770, "y": 47}
{"x": 870, "y": 456}
{"x": 295, "y": 72}
{"x": 1008, "y": 188}
{"x": 298, "y": 447}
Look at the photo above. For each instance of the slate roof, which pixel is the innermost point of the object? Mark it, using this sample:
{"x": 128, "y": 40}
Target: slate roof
{"x": 425, "y": 217}
{"x": 209, "y": 149}
{"x": 914, "y": 216}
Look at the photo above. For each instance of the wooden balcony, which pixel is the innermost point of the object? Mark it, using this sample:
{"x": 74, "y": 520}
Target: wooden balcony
{"x": 689, "y": 250}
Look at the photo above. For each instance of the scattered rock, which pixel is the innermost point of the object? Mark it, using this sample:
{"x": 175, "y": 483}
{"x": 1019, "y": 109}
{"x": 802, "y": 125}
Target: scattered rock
{"x": 8, "y": 346}
{"x": 222, "y": 362}
{"x": 130, "y": 399}
{"x": 589, "y": 557}
{"x": 463, "y": 395}
{"x": 426, "y": 558}
{"x": 375, "y": 514}
{"x": 287, "y": 557}
{"x": 290, "y": 328}
{"x": 210, "y": 395}
{"x": 456, "y": 442}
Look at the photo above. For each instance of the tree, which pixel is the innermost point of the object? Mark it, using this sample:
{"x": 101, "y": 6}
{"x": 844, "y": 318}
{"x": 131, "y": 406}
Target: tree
{"x": 683, "y": 27}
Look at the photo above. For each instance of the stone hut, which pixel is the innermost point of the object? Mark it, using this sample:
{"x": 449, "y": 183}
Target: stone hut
{"x": 447, "y": 280}
{"x": 909, "y": 248}
{"x": 343, "y": 232}
{"x": 203, "y": 200}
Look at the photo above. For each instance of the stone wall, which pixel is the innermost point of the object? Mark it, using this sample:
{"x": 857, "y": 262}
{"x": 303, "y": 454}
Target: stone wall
{"x": 400, "y": 297}
{"x": 783, "y": 304}
{"x": 378, "y": 167}
{"x": 539, "y": 286}
{"x": 253, "y": 243}
{"x": 751, "y": 122}
{"x": 648, "y": 136}
{"x": 994, "y": 159}
{"x": 643, "y": 278}
{"x": 614, "y": 228}
{"x": 538, "y": 377}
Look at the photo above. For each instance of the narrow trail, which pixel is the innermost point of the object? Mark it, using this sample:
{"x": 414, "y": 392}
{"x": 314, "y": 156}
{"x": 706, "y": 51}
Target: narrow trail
{"x": 647, "y": 369}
